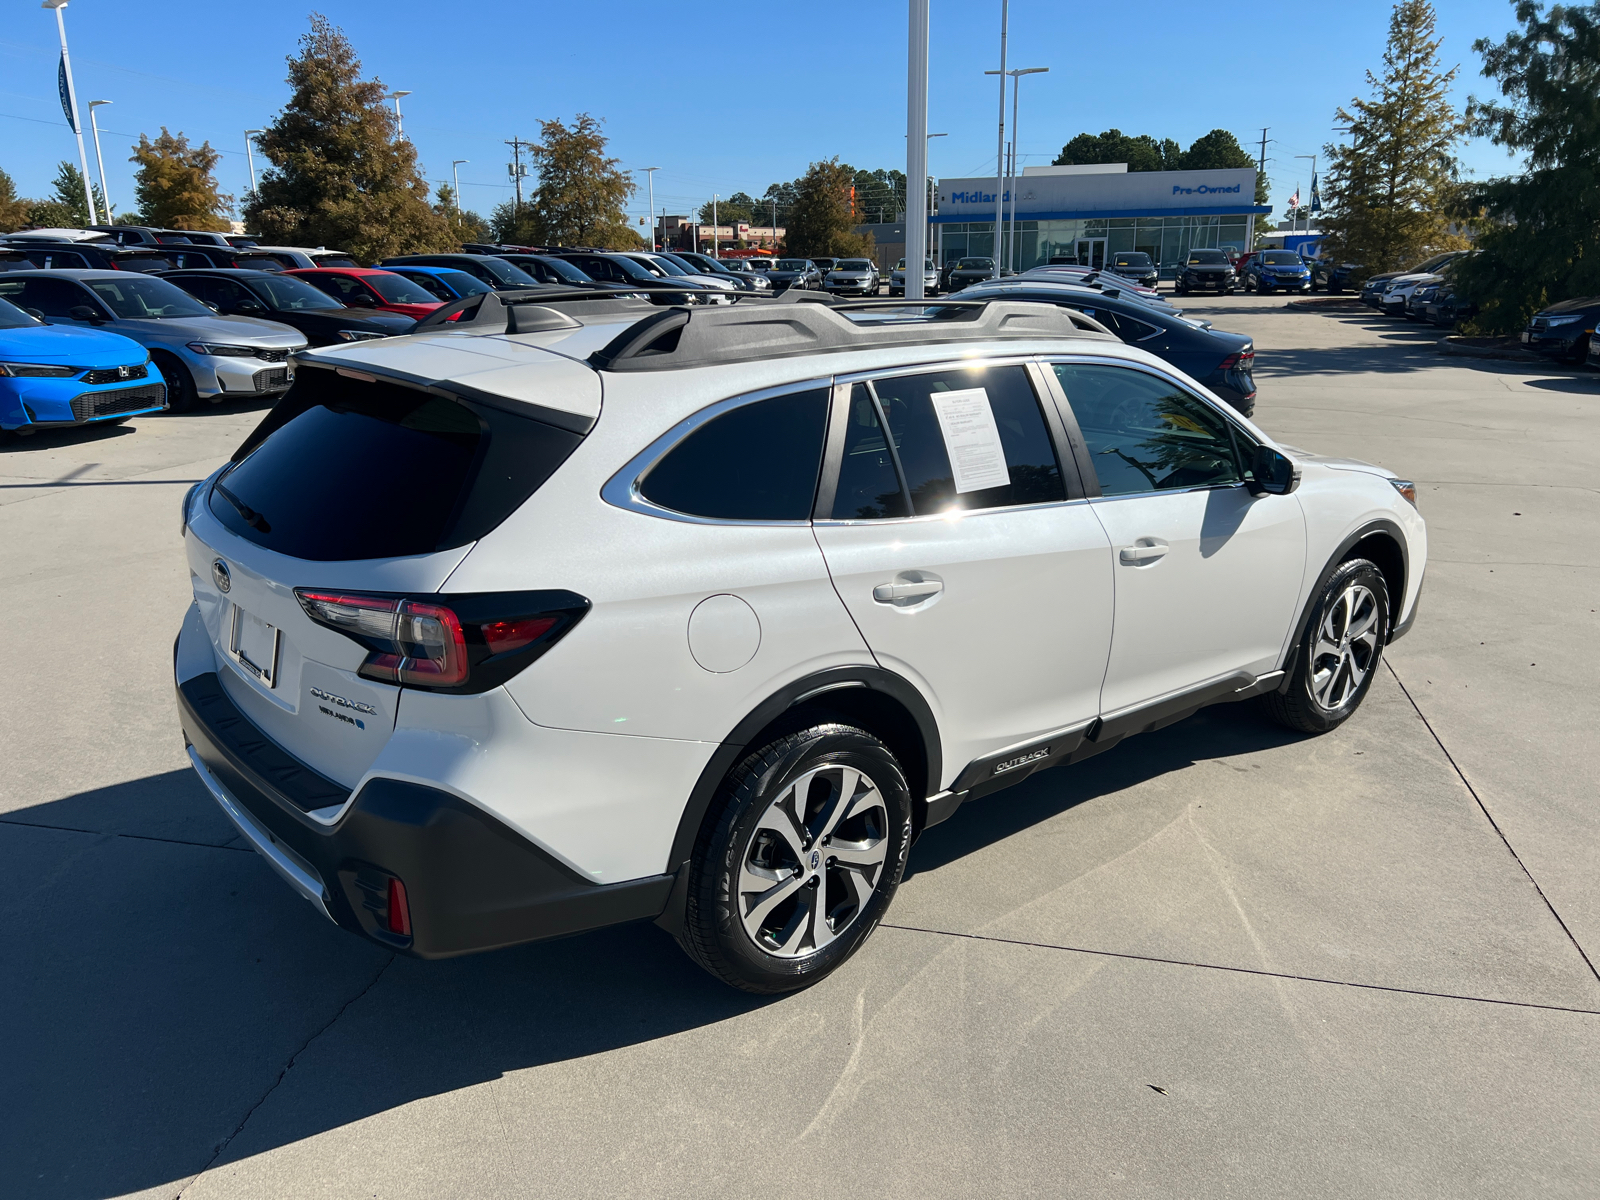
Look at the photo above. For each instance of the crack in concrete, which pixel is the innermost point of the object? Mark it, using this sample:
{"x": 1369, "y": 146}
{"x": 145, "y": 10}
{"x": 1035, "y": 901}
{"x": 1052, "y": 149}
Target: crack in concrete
{"x": 140, "y": 837}
{"x": 1488, "y": 816}
{"x": 1179, "y": 962}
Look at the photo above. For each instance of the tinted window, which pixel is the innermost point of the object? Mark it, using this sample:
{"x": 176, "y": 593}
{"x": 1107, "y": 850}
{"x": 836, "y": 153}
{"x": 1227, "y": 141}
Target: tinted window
{"x": 343, "y": 287}
{"x": 1145, "y": 434}
{"x": 503, "y": 272}
{"x": 1206, "y": 258}
{"x": 144, "y": 262}
{"x": 564, "y": 270}
{"x": 432, "y": 284}
{"x": 335, "y": 260}
{"x": 343, "y": 469}
{"x": 12, "y": 317}
{"x": 757, "y": 462}
{"x": 869, "y": 488}
{"x": 464, "y": 284}
{"x": 289, "y": 294}
{"x": 1281, "y": 258}
{"x": 133, "y": 297}
{"x": 52, "y": 297}
{"x": 1124, "y": 326}
{"x": 397, "y": 289}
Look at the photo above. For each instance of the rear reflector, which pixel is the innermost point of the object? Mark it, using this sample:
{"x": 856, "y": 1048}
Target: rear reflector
{"x": 399, "y": 915}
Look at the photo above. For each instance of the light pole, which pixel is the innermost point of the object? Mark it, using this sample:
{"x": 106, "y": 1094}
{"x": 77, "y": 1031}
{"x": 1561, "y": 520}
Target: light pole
{"x": 916, "y": 148}
{"x": 399, "y": 125}
{"x": 94, "y": 125}
{"x": 1016, "y": 88}
{"x": 69, "y": 103}
{"x": 650, "y": 173}
{"x": 455, "y": 176}
{"x": 714, "y": 230}
{"x": 1313, "y": 159}
{"x": 1000, "y": 144}
{"x": 249, "y": 156}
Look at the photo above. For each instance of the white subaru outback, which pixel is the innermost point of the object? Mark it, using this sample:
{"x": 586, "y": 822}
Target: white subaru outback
{"x": 556, "y": 615}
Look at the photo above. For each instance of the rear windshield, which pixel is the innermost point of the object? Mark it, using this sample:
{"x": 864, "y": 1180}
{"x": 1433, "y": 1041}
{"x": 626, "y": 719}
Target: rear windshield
{"x": 342, "y": 469}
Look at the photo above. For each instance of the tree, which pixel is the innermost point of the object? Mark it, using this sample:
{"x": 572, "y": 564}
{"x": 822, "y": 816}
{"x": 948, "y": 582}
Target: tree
{"x": 465, "y": 225}
{"x": 822, "y": 221}
{"x": 1220, "y": 150}
{"x": 13, "y": 210}
{"x": 582, "y": 192}
{"x": 730, "y": 210}
{"x": 1387, "y": 191}
{"x": 175, "y": 186}
{"x": 63, "y": 209}
{"x": 1141, "y": 153}
{"x": 340, "y": 176}
{"x": 1538, "y": 232}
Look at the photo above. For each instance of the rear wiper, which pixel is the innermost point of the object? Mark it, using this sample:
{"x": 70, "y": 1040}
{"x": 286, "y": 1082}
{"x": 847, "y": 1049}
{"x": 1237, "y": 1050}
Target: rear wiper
{"x": 251, "y": 517}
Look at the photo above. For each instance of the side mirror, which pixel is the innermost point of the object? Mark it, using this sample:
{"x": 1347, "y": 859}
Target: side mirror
{"x": 1274, "y": 471}
{"x": 83, "y": 312}
{"x": 361, "y": 300}
{"x": 250, "y": 308}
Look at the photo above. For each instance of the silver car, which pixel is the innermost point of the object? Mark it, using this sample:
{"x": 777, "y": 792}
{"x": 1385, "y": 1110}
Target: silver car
{"x": 930, "y": 279}
{"x": 852, "y": 276}
{"x": 201, "y": 354}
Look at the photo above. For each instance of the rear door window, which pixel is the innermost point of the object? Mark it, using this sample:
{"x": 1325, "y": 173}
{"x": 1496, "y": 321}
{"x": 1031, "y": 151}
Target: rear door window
{"x": 344, "y": 469}
{"x": 757, "y": 462}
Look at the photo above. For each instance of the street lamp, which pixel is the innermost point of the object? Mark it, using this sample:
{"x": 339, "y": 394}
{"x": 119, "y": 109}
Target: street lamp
{"x": 916, "y": 147}
{"x": 456, "y": 176}
{"x": 1016, "y": 87}
{"x": 69, "y": 104}
{"x": 250, "y": 157}
{"x": 1313, "y": 159}
{"x": 399, "y": 125}
{"x": 105, "y": 192}
{"x": 1000, "y": 143}
{"x": 650, "y": 173}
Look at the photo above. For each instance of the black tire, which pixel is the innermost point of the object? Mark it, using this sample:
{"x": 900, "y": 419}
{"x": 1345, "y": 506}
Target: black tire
{"x": 741, "y": 842}
{"x": 181, "y": 394}
{"x": 1356, "y": 596}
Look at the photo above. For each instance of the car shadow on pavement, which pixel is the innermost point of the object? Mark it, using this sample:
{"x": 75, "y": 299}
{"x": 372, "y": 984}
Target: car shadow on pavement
{"x": 171, "y": 1006}
{"x": 52, "y": 439}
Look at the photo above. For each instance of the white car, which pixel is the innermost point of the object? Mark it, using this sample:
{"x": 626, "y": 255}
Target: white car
{"x": 930, "y": 279}
{"x": 1397, "y": 292}
{"x": 569, "y": 614}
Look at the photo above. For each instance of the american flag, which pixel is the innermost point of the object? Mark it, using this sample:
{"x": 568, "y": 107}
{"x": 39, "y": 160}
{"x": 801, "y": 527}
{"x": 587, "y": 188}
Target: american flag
{"x": 1294, "y": 200}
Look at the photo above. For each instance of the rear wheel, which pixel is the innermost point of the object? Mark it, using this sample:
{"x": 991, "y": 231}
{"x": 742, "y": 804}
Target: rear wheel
{"x": 1339, "y": 653}
{"x": 795, "y": 871}
{"x": 181, "y": 395}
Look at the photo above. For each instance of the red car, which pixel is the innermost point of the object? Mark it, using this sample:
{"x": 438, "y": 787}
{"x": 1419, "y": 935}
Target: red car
{"x": 363, "y": 287}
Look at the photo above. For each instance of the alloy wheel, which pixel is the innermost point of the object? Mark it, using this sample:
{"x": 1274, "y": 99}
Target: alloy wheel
{"x": 1346, "y": 648}
{"x": 812, "y": 861}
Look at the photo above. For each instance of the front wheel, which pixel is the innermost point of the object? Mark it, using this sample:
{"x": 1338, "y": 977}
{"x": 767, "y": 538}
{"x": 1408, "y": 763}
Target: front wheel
{"x": 181, "y": 394}
{"x": 795, "y": 871}
{"x": 1339, "y": 654}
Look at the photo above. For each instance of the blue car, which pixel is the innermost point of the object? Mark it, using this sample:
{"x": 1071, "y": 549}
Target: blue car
{"x": 52, "y": 376}
{"x": 443, "y": 283}
{"x": 1276, "y": 271}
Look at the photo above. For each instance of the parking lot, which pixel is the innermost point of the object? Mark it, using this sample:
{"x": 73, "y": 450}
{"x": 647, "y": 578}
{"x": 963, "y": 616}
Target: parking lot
{"x": 1220, "y": 960}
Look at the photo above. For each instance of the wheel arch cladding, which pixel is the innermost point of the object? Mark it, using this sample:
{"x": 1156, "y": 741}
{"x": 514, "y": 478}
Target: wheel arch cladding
{"x": 878, "y": 701}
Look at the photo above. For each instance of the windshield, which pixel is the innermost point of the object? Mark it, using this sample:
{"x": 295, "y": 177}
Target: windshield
{"x": 791, "y": 264}
{"x": 1132, "y": 260}
{"x": 670, "y": 267}
{"x": 287, "y": 294}
{"x": 853, "y": 264}
{"x": 975, "y": 264}
{"x": 463, "y": 284}
{"x": 1281, "y": 258}
{"x": 1206, "y": 258}
{"x": 139, "y": 297}
{"x": 397, "y": 289}
{"x": 504, "y": 272}
{"x": 12, "y": 317}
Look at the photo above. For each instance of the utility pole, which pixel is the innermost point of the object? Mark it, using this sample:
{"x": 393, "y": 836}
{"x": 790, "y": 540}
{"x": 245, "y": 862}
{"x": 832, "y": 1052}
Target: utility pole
{"x": 1000, "y": 144}
{"x": 517, "y": 170}
{"x": 916, "y": 148}
{"x": 1261, "y": 169}
{"x": 250, "y": 156}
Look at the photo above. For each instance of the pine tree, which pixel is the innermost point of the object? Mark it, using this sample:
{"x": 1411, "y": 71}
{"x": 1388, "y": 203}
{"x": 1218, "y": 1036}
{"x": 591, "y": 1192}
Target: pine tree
{"x": 340, "y": 177}
{"x": 63, "y": 208}
{"x": 175, "y": 187}
{"x": 821, "y": 222}
{"x": 582, "y": 192}
{"x": 13, "y": 210}
{"x": 1388, "y": 190}
{"x": 1538, "y": 232}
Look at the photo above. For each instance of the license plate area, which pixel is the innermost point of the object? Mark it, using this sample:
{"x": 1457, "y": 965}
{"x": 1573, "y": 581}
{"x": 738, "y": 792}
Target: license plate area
{"x": 253, "y": 644}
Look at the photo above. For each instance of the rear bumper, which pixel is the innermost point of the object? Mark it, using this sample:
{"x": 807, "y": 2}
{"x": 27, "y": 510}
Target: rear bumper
{"x": 472, "y": 882}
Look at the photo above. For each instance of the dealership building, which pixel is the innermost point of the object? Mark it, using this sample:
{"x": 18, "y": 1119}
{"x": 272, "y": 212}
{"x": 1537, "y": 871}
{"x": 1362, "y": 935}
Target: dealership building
{"x": 1088, "y": 212}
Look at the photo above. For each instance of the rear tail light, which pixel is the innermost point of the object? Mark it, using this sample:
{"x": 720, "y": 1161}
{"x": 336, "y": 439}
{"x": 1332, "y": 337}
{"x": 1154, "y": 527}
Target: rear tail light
{"x": 467, "y": 643}
{"x": 1243, "y": 361}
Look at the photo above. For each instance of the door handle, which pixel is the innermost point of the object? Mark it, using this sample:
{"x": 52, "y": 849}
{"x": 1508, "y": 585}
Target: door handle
{"x": 891, "y": 593}
{"x": 1148, "y": 550}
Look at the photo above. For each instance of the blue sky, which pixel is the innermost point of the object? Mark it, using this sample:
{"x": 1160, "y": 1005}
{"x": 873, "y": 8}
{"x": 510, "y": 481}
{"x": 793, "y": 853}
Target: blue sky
{"x": 720, "y": 104}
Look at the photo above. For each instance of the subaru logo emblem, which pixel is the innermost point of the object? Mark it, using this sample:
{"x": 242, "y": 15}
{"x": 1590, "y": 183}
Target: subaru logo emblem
{"x": 815, "y": 859}
{"x": 220, "y": 576}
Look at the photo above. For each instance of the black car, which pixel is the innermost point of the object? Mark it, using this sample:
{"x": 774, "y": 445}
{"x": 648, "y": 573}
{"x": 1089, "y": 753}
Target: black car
{"x": 745, "y": 281}
{"x": 799, "y": 273}
{"x": 966, "y": 272}
{"x": 197, "y": 257}
{"x": 499, "y": 274}
{"x": 619, "y": 269}
{"x": 1372, "y": 286}
{"x": 546, "y": 268}
{"x": 1221, "y": 361}
{"x": 1448, "y": 309}
{"x": 91, "y": 256}
{"x": 1134, "y": 265}
{"x": 1205, "y": 271}
{"x": 289, "y": 301}
{"x": 1342, "y": 277}
{"x": 1562, "y": 330}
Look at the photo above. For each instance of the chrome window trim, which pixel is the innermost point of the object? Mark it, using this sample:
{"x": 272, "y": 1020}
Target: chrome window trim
{"x": 622, "y": 489}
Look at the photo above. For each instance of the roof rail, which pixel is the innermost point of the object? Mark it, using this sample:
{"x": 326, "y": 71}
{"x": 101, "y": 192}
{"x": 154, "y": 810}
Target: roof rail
{"x": 680, "y": 338}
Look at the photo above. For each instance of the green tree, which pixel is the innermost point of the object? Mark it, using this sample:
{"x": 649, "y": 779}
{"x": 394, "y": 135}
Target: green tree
{"x": 730, "y": 210}
{"x": 1141, "y": 153}
{"x": 1539, "y": 231}
{"x": 1220, "y": 150}
{"x": 582, "y": 192}
{"x": 821, "y": 222}
{"x": 63, "y": 208}
{"x": 340, "y": 176}
{"x": 175, "y": 187}
{"x": 13, "y": 210}
{"x": 1388, "y": 190}
{"x": 465, "y": 225}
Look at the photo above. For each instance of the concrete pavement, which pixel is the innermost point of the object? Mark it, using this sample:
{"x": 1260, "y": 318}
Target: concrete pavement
{"x": 1221, "y": 960}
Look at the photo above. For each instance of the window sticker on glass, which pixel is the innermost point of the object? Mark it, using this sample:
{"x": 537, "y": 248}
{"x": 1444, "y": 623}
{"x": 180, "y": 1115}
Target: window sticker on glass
{"x": 971, "y": 438}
